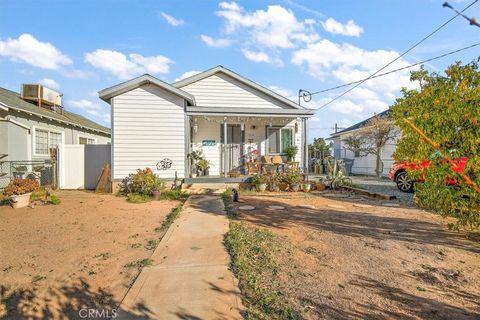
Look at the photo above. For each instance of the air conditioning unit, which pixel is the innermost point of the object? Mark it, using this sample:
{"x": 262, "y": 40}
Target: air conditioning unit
{"x": 41, "y": 95}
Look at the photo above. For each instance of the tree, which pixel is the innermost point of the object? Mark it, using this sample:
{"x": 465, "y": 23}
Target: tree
{"x": 372, "y": 138}
{"x": 445, "y": 108}
{"x": 319, "y": 146}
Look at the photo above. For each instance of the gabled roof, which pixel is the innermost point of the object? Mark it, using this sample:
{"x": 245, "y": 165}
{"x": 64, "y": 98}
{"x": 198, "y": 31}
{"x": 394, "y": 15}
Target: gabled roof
{"x": 362, "y": 124}
{"x": 236, "y": 76}
{"x": 108, "y": 93}
{"x": 12, "y": 100}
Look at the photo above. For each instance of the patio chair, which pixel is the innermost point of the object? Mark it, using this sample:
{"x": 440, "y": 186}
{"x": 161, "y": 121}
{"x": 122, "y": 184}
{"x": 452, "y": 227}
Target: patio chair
{"x": 292, "y": 167}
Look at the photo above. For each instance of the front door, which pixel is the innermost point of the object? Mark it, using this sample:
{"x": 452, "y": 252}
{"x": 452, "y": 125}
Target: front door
{"x": 234, "y": 153}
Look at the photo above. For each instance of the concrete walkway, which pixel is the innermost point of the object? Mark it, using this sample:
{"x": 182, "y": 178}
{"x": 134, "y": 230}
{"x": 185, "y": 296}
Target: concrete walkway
{"x": 190, "y": 278}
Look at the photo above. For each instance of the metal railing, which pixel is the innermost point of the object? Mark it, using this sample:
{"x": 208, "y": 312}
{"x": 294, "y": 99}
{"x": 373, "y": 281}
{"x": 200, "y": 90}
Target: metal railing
{"x": 44, "y": 171}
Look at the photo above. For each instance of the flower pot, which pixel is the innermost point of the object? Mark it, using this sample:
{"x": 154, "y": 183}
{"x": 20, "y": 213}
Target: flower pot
{"x": 295, "y": 187}
{"x": 262, "y": 187}
{"x": 157, "y": 194}
{"x": 20, "y": 201}
{"x": 193, "y": 175}
{"x": 306, "y": 187}
{"x": 283, "y": 186}
{"x": 275, "y": 187}
{"x": 320, "y": 186}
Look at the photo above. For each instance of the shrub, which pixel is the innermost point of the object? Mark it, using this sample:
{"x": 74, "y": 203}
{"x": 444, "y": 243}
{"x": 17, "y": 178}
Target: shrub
{"x": 174, "y": 195}
{"x": 259, "y": 179}
{"x": 54, "y": 200}
{"x": 21, "y": 186}
{"x": 445, "y": 108}
{"x": 292, "y": 178}
{"x": 138, "y": 198}
{"x": 291, "y": 152}
{"x": 144, "y": 182}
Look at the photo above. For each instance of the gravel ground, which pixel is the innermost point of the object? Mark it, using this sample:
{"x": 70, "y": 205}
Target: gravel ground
{"x": 384, "y": 186}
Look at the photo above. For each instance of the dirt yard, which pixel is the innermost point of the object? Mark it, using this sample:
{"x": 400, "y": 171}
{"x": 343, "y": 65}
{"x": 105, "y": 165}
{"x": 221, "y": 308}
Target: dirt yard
{"x": 80, "y": 253}
{"x": 343, "y": 261}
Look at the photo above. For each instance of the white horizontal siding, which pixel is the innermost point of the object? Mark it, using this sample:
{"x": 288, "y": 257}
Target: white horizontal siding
{"x": 148, "y": 126}
{"x": 222, "y": 91}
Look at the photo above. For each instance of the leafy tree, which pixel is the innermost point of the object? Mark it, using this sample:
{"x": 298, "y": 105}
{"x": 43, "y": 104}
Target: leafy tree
{"x": 319, "y": 146}
{"x": 372, "y": 138}
{"x": 447, "y": 109}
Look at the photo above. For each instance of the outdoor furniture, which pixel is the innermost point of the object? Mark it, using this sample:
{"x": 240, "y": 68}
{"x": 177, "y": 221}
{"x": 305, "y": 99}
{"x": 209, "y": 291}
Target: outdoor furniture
{"x": 254, "y": 167}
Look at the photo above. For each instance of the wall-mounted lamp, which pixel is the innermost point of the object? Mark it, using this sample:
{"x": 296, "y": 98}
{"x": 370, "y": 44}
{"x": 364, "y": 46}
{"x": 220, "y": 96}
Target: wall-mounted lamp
{"x": 296, "y": 127}
{"x": 242, "y": 126}
{"x": 195, "y": 126}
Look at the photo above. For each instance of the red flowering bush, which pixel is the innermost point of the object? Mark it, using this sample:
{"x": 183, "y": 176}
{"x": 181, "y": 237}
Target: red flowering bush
{"x": 21, "y": 186}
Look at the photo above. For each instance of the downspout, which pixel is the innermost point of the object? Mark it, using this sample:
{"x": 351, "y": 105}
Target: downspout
{"x": 225, "y": 146}
{"x": 305, "y": 146}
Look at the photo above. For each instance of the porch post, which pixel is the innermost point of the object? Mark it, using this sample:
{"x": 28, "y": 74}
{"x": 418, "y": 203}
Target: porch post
{"x": 188, "y": 145}
{"x": 225, "y": 146}
{"x": 305, "y": 146}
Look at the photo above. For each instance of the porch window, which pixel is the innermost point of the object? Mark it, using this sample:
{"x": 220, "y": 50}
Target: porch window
{"x": 278, "y": 139}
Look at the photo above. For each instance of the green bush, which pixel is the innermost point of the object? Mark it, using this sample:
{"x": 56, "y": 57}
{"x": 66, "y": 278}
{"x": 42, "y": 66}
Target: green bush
{"x": 54, "y": 200}
{"x": 138, "y": 198}
{"x": 144, "y": 182}
{"x": 174, "y": 195}
{"x": 446, "y": 109}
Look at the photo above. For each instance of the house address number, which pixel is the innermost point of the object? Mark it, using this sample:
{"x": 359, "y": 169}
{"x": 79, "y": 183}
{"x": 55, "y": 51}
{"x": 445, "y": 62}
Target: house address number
{"x": 208, "y": 143}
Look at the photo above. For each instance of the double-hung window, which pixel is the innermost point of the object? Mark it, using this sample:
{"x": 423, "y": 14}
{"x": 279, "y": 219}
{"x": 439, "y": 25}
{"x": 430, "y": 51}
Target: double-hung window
{"x": 278, "y": 139}
{"x": 44, "y": 140}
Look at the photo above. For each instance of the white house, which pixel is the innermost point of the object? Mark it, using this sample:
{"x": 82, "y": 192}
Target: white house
{"x": 157, "y": 125}
{"x": 363, "y": 164}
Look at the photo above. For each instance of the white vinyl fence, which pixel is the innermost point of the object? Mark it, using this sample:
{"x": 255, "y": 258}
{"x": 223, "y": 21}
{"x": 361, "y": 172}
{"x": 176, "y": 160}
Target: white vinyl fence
{"x": 80, "y": 166}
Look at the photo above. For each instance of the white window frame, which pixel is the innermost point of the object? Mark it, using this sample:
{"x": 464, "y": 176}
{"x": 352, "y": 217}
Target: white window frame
{"x": 34, "y": 137}
{"x": 292, "y": 129}
{"x": 85, "y": 137}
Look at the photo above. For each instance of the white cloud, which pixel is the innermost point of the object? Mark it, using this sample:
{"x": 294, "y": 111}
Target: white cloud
{"x": 125, "y": 67}
{"x": 349, "y": 29}
{"x": 215, "y": 43}
{"x": 287, "y": 93}
{"x": 260, "y": 57}
{"x": 275, "y": 27}
{"x": 172, "y": 20}
{"x": 91, "y": 108}
{"x": 187, "y": 74}
{"x": 49, "y": 83}
{"x": 36, "y": 53}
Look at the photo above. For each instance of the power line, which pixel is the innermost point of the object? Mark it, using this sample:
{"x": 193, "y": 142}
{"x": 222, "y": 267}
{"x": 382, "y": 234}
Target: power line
{"x": 400, "y": 56}
{"x": 399, "y": 69}
{"x": 472, "y": 20}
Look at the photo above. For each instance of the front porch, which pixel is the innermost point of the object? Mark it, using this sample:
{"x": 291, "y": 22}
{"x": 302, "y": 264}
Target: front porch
{"x": 249, "y": 138}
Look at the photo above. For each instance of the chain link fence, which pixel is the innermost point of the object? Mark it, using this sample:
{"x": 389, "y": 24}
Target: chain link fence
{"x": 44, "y": 171}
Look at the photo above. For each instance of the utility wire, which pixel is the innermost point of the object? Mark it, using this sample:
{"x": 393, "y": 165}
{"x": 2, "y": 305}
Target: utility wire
{"x": 401, "y": 55}
{"x": 472, "y": 20}
{"x": 396, "y": 70}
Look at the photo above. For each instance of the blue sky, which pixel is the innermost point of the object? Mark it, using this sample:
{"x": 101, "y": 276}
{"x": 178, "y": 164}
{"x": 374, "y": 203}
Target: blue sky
{"x": 81, "y": 47}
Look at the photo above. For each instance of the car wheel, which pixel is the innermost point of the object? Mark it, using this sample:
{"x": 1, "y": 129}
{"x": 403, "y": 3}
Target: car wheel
{"x": 404, "y": 183}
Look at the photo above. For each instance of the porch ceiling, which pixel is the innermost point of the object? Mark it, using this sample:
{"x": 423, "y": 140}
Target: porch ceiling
{"x": 257, "y": 112}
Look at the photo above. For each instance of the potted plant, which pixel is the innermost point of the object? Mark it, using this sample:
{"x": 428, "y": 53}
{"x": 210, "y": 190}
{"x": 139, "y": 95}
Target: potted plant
{"x": 306, "y": 186}
{"x": 294, "y": 181}
{"x": 260, "y": 182}
{"x": 274, "y": 182}
{"x": 291, "y": 152}
{"x": 204, "y": 165}
{"x": 194, "y": 157}
{"x": 19, "y": 191}
{"x": 320, "y": 185}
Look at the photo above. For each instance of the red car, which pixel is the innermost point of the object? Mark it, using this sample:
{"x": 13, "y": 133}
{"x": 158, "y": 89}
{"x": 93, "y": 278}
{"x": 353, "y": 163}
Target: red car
{"x": 398, "y": 172}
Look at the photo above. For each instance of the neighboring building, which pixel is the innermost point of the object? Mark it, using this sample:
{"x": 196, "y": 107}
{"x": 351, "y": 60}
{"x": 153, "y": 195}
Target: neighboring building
{"x": 363, "y": 165}
{"x": 28, "y": 129}
{"x": 157, "y": 125}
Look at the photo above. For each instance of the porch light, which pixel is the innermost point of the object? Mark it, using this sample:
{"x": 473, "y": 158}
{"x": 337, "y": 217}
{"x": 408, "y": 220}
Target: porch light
{"x": 195, "y": 126}
{"x": 270, "y": 124}
{"x": 242, "y": 126}
{"x": 296, "y": 127}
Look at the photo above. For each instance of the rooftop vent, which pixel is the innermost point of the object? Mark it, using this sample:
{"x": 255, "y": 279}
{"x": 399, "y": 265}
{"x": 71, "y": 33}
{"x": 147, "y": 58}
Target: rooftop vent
{"x": 42, "y": 96}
